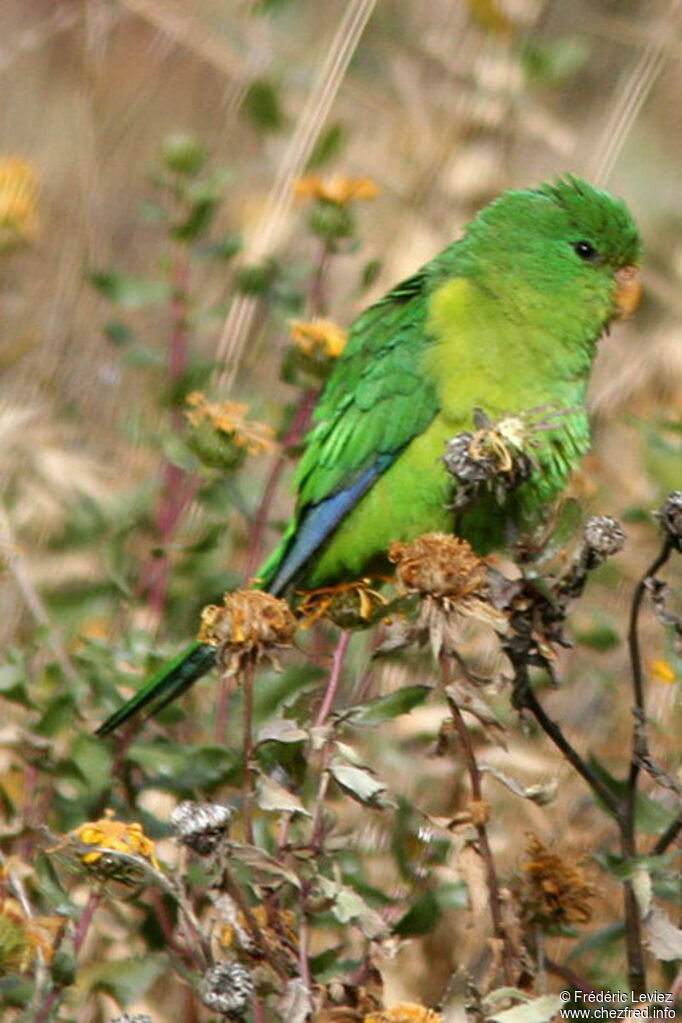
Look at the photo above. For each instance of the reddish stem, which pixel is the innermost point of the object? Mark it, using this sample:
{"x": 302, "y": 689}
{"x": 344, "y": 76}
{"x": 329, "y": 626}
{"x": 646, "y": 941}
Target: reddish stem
{"x": 177, "y": 489}
{"x": 259, "y": 525}
{"x": 334, "y": 678}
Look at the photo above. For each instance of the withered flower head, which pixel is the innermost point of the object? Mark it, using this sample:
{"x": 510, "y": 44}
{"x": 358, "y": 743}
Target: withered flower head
{"x": 18, "y": 200}
{"x": 604, "y": 535}
{"x": 277, "y": 934}
{"x": 439, "y": 565}
{"x": 119, "y": 836}
{"x": 339, "y": 189}
{"x": 200, "y": 826}
{"x": 670, "y": 517}
{"x": 221, "y": 436}
{"x": 352, "y": 605}
{"x": 227, "y": 988}
{"x": 23, "y": 938}
{"x": 318, "y": 337}
{"x": 553, "y": 891}
{"x": 250, "y": 625}
{"x": 496, "y": 457}
{"x": 406, "y": 1013}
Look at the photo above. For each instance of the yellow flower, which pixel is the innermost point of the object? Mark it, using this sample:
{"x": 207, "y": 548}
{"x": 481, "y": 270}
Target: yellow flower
{"x": 249, "y": 625}
{"x": 116, "y": 835}
{"x": 663, "y": 671}
{"x": 339, "y": 189}
{"x": 229, "y": 417}
{"x": 319, "y": 337}
{"x": 18, "y": 193}
{"x": 409, "y": 1012}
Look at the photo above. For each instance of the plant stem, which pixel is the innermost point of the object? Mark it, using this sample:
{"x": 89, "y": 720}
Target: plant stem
{"x": 338, "y": 658}
{"x": 475, "y": 781}
{"x": 247, "y": 786}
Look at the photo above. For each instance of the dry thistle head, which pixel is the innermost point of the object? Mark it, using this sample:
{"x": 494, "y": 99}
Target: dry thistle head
{"x": 670, "y": 517}
{"x": 221, "y": 436}
{"x": 119, "y": 836}
{"x": 439, "y": 565}
{"x": 352, "y": 605}
{"x": 552, "y": 891}
{"x": 227, "y": 989}
{"x": 407, "y": 1013}
{"x": 250, "y": 625}
{"x": 200, "y": 826}
{"x": 18, "y": 201}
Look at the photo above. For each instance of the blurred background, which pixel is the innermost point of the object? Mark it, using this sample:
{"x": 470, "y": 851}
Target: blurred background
{"x": 441, "y": 105}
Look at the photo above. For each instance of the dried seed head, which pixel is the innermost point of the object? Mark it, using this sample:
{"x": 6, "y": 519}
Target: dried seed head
{"x": 494, "y": 457}
{"x": 553, "y": 891}
{"x": 250, "y": 624}
{"x": 200, "y": 826}
{"x": 439, "y": 565}
{"x": 670, "y": 517}
{"x": 221, "y": 436}
{"x": 227, "y": 989}
{"x": 604, "y": 535}
{"x": 354, "y": 605}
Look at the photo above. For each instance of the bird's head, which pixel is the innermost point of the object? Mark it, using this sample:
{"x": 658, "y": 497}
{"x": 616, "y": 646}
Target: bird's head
{"x": 564, "y": 248}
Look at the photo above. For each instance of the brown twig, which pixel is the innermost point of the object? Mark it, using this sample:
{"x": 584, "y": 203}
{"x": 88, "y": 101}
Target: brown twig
{"x": 475, "y": 780}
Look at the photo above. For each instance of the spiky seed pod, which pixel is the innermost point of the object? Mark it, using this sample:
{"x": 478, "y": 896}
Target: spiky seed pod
{"x": 604, "y": 535}
{"x": 251, "y": 625}
{"x": 670, "y": 517}
{"x": 493, "y": 458}
{"x": 227, "y": 988}
{"x": 200, "y": 826}
{"x": 439, "y": 565}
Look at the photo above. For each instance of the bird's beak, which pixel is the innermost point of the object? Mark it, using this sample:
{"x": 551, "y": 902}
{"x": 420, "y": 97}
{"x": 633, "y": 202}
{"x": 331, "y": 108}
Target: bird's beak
{"x": 628, "y": 290}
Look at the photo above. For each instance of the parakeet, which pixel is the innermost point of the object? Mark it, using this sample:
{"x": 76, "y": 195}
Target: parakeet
{"x": 506, "y": 320}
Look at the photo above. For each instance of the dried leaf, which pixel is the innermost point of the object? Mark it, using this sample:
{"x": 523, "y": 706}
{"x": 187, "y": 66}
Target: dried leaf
{"x": 281, "y": 730}
{"x": 295, "y": 1004}
{"x": 348, "y": 906}
{"x": 271, "y": 796}
{"x": 539, "y": 1010}
{"x": 259, "y": 860}
{"x": 663, "y": 938}
{"x": 540, "y": 794}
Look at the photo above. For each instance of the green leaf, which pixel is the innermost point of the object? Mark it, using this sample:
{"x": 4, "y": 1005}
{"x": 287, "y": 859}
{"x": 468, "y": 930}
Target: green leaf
{"x": 118, "y": 333}
{"x": 93, "y": 759}
{"x": 128, "y": 291}
{"x": 370, "y": 272}
{"x": 385, "y": 708}
{"x": 51, "y": 888}
{"x": 421, "y": 917}
{"x": 182, "y": 769}
{"x": 125, "y": 979}
{"x": 262, "y": 105}
{"x": 328, "y": 146}
{"x": 224, "y": 250}
{"x": 362, "y": 786}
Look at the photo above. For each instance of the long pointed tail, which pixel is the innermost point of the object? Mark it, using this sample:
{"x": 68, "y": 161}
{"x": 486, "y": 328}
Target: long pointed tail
{"x": 172, "y": 680}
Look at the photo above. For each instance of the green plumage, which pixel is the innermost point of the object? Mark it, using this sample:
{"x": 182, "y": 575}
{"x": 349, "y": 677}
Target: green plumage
{"x": 506, "y": 320}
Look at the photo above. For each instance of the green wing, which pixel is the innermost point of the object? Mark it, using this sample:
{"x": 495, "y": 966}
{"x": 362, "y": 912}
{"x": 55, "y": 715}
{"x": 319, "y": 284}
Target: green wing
{"x": 376, "y": 401}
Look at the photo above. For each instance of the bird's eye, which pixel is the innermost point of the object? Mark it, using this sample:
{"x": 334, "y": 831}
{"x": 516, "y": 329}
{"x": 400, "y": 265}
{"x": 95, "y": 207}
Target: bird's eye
{"x": 586, "y": 251}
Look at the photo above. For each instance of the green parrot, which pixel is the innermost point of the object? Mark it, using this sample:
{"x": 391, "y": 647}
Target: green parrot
{"x": 505, "y": 319}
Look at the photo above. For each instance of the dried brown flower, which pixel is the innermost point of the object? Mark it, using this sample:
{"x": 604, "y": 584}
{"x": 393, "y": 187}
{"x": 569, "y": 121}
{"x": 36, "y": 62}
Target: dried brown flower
{"x": 250, "y": 625}
{"x": 439, "y": 565}
{"x": 24, "y": 937}
{"x": 553, "y": 891}
{"x": 348, "y": 605}
{"x": 277, "y": 933}
{"x": 406, "y": 1013}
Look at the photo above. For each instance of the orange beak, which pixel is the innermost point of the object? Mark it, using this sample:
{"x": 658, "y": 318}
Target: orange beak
{"x": 628, "y": 290}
